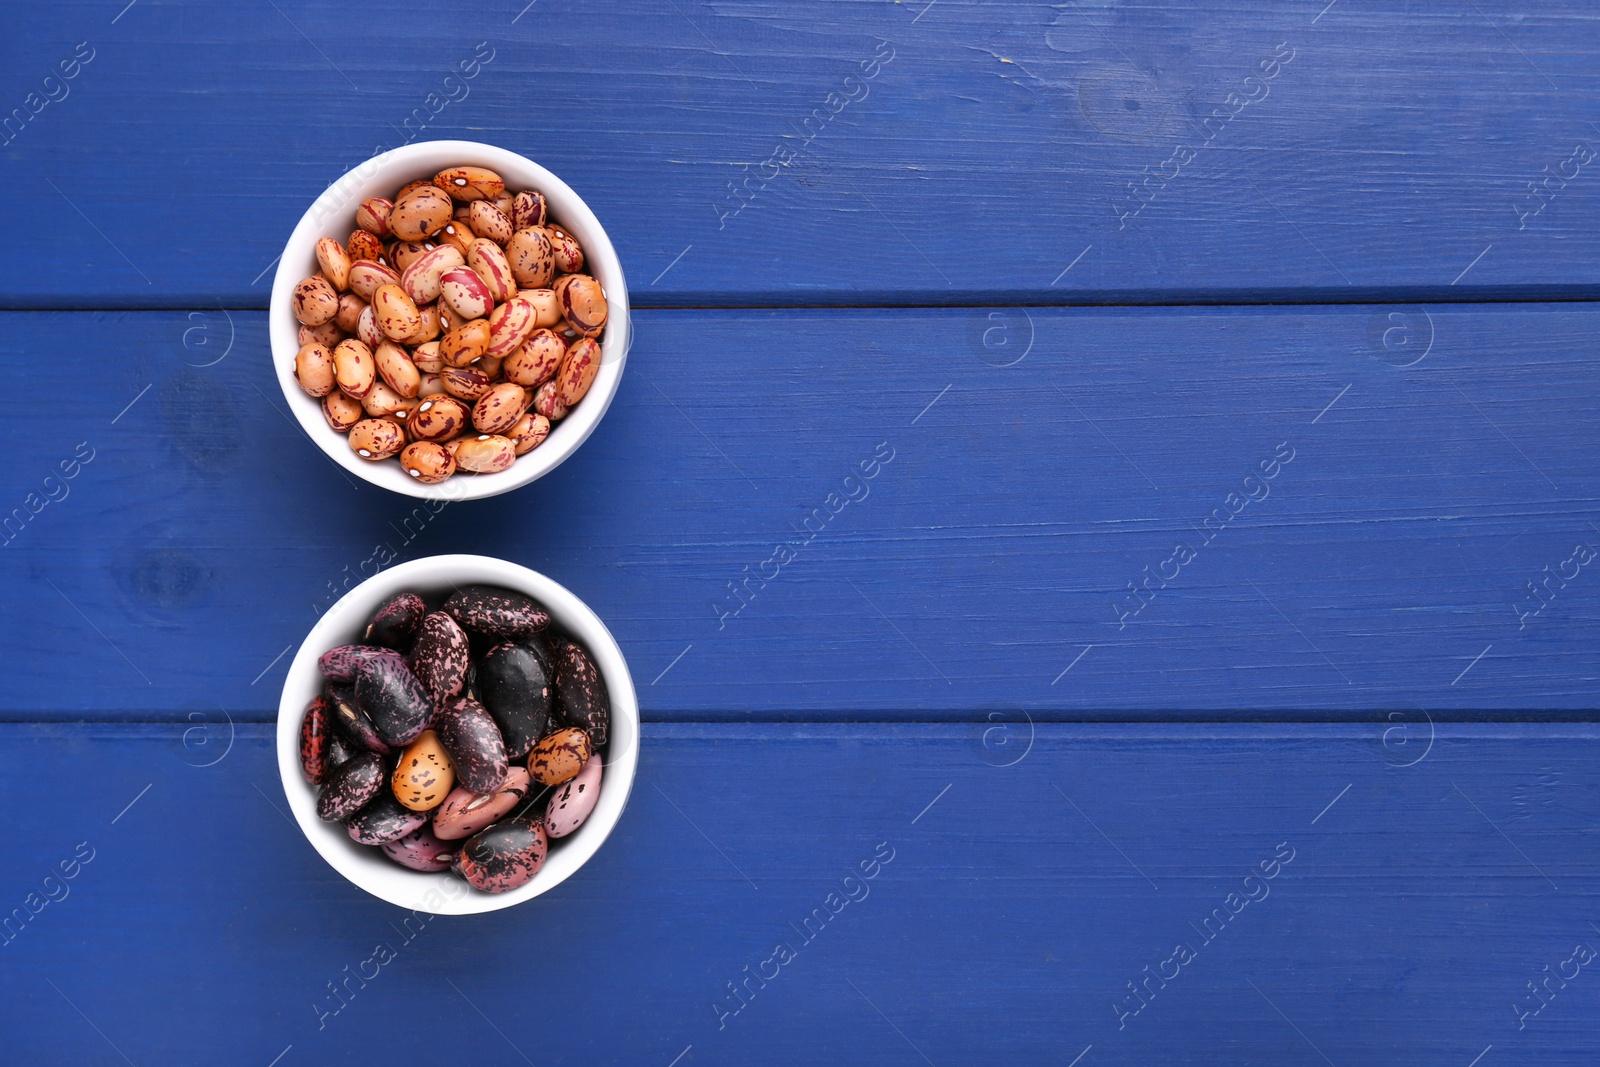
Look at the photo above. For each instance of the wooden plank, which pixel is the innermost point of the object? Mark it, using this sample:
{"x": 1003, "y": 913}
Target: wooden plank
{"x": 1384, "y": 566}
{"x": 796, "y": 151}
{"x": 1018, "y": 904}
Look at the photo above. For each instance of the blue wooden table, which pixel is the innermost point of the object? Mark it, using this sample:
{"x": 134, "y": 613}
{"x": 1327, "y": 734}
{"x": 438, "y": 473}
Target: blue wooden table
{"x": 1205, "y": 672}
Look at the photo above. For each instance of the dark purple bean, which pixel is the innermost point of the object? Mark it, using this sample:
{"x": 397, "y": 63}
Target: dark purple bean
{"x": 473, "y": 740}
{"x": 315, "y": 731}
{"x": 384, "y": 819}
{"x": 349, "y": 718}
{"x": 505, "y": 856}
{"x": 421, "y": 850}
{"x": 513, "y": 688}
{"x": 339, "y": 664}
{"x": 395, "y": 623}
{"x": 340, "y": 751}
{"x": 348, "y": 788}
{"x": 390, "y": 695}
{"x": 439, "y": 659}
{"x": 494, "y": 612}
{"x": 582, "y": 699}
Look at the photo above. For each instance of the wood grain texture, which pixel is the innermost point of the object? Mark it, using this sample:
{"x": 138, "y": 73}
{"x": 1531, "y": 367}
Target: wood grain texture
{"x": 1018, "y": 903}
{"x": 741, "y": 153}
{"x": 1386, "y": 565}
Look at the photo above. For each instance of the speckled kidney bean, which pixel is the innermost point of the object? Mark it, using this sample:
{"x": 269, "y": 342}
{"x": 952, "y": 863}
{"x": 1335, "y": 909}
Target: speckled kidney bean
{"x": 487, "y": 222}
{"x": 367, "y": 331}
{"x": 373, "y": 215}
{"x": 383, "y": 820}
{"x": 505, "y": 856}
{"x": 488, "y": 261}
{"x": 470, "y": 183}
{"x": 421, "y": 850}
{"x": 536, "y": 361}
{"x": 464, "y": 383}
{"x": 335, "y": 263}
{"x": 421, "y": 279}
{"x": 396, "y": 368}
{"x": 465, "y": 813}
{"x": 499, "y": 409}
{"x": 351, "y": 720}
{"x": 572, "y": 804}
{"x": 485, "y": 454}
{"x": 339, "y": 664}
{"x": 495, "y": 612}
{"x": 558, "y": 757}
{"x": 458, "y": 233}
{"x": 547, "y": 401}
{"x": 376, "y": 439}
{"x": 427, "y": 461}
{"x": 363, "y": 245}
{"x": 509, "y": 326}
{"x": 427, "y": 358}
{"x": 465, "y": 343}
{"x": 349, "y": 313}
{"x": 546, "y": 309}
{"x": 528, "y": 433}
{"x": 385, "y": 401}
{"x": 397, "y": 314}
{"x": 532, "y": 257}
{"x": 315, "y": 729}
{"x": 328, "y": 334}
{"x": 395, "y": 623}
{"x": 313, "y": 369}
{"x": 420, "y": 213}
{"x": 354, "y": 368}
{"x": 401, "y": 254}
{"x": 347, "y": 789}
{"x": 473, "y": 740}
{"x": 512, "y": 687}
{"x": 438, "y": 418}
{"x": 467, "y": 294}
{"x": 391, "y": 697}
{"x": 583, "y": 303}
{"x": 440, "y": 656}
{"x": 578, "y": 370}
{"x": 582, "y": 698}
{"x": 368, "y": 276}
{"x": 341, "y": 412}
{"x": 528, "y": 209}
{"x": 568, "y": 253}
{"x": 314, "y": 301}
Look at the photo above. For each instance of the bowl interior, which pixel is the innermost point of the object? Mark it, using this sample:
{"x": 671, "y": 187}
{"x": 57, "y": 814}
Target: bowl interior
{"x": 333, "y": 215}
{"x": 436, "y": 577}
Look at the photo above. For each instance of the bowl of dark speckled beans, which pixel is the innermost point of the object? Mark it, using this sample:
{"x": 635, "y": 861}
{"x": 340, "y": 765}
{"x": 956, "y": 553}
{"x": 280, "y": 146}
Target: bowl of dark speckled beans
{"x": 372, "y": 735}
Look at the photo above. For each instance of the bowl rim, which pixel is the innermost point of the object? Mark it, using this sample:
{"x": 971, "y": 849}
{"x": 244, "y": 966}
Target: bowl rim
{"x": 381, "y": 175}
{"x": 446, "y": 893}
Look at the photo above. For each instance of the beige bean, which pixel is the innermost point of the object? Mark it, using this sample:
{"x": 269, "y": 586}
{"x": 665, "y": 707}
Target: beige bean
{"x": 470, "y": 183}
{"x": 411, "y": 187}
{"x": 313, "y": 369}
{"x": 487, "y": 221}
{"x": 431, "y": 326}
{"x": 465, "y": 343}
{"x": 568, "y": 253}
{"x": 367, "y": 276}
{"x": 509, "y": 326}
{"x": 529, "y": 432}
{"x": 335, "y": 263}
{"x": 532, "y": 258}
{"x": 505, "y": 203}
{"x": 342, "y": 412}
{"x": 396, "y": 369}
{"x": 466, "y": 293}
{"x": 499, "y": 409}
{"x": 404, "y": 253}
{"x": 427, "y": 358}
{"x": 456, "y": 233}
{"x": 397, "y": 315}
{"x": 376, "y": 439}
{"x": 373, "y": 215}
{"x": 428, "y": 462}
{"x": 438, "y": 418}
{"x": 536, "y": 361}
{"x": 488, "y": 260}
{"x": 367, "y": 328}
{"x": 349, "y": 314}
{"x": 420, "y": 213}
{"x": 547, "y": 401}
{"x": 385, "y": 401}
{"x": 490, "y": 366}
{"x": 578, "y": 370}
{"x": 485, "y": 454}
{"x": 448, "y": 319}
{"x": 421, "y": 279}
{"x": 327, "y": 334}
{"x": 354, "y": 368}
{"x": 546, "y": 309}
{"x": 363, "y": 245}
{"x": 431, "y": 386}
{"x": 464, "y": 383}
{"x": 314, "y": 301}
{"x": 583, "y": 303}
{"x": 528, "y": 209}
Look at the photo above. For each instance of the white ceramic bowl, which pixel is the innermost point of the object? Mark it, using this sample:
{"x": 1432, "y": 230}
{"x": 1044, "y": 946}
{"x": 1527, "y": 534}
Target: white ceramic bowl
{"x": 446, "y": 893}
{"x": 333, "y": 215}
